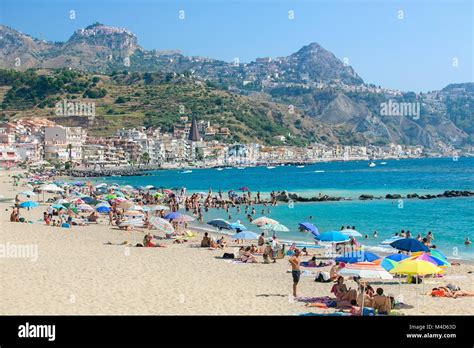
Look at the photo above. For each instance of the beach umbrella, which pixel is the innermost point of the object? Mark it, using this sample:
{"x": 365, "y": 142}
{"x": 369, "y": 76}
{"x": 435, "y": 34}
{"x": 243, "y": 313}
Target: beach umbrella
{"x": 87, "y": 199}
{"x": 119, "y": 194}
{"x": 308, "y": 226}
{"x": 101, "y": 185}
{"x": 125, "y": 204}
{"x": 61, "y": 201}
{"x": 120, "y": 200}
{"x": 149, "y": 187}
{"x": 172, "y": 215}
{"x": 158, "y": 207}
{"x": 386, "y": 263}
{"x": 58, "y": 206}
{"x": 390, "y": 240}
{"x": 183, "y": 218}
{"x": 261, "y": 221}
{"x": 158, "y": 194}
{"x": 161, "y": 224}
{"x": 51, "y": 188}
{"x": 416, "y": 267}
{"x": 365, "y": 270}
{"x": 28, "y": 204}
{"x": 110, "y": 196}
{"x": 409, "y": 244}
{"x": 357, "y": 256}
{"x": 167, "y": 191}
{"x": 426, "y": 257}
{"x": 133, "y": 213}
{"x": 102, "y": 204}
{"x": 102, "y": 209}
{"x": 438, "y": 254}
{"x": 397, "y": 257}
{"x": 351, "y": 233}
{"x": 84, "y": 207}
{"x": 77, "y": 201}
{"x": 136, "y": 207}
{"x": 238, "y": 226}
{"x": 220, "y": 223}
{"x": 275, "y": 227}
{"x": 332, "y": 236}
{"x": 245, "y": 235}
{"x": 27, "y": 193}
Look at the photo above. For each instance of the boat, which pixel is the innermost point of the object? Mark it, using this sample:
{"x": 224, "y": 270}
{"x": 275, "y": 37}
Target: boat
{"x": 271, "y": 167}
{"x": 383, "y": 163}
{"x": 219, "y": 168}
{"x": 186, "y": 171}
{"x": 240, "y": 168}
{"x": 372, "y": 164}
{"x": 299, "y": 166}
{"x": 319, "y": 171}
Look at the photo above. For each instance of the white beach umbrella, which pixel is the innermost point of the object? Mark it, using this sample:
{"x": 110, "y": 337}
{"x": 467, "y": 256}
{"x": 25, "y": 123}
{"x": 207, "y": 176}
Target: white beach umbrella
{"x": 161, "y": 224}
{"x": 84, "y": 207}
{"x": 262, "y": 221}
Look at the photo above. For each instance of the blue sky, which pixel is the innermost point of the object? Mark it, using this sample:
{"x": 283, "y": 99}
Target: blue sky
{"x": 414, "y": 53}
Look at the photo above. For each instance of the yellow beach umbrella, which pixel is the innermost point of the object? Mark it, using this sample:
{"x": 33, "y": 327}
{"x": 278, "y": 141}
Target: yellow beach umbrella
{"x": 416, "y": 267}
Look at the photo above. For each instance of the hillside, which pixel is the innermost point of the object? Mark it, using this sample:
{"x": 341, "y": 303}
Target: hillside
{"x": 134, "y": 100}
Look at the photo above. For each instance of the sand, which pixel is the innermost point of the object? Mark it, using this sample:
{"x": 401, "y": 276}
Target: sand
{"x": 76, "y": 272}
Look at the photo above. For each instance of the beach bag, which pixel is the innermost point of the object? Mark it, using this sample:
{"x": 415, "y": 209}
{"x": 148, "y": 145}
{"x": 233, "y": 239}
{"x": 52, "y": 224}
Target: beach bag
{"x": 322, "y": 277}
{"x": 453, "y": 287}
{"x": 228, "y": 256}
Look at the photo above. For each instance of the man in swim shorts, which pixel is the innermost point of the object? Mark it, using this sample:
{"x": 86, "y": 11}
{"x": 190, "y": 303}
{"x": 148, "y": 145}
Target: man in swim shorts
{"x": 295, "y": 269}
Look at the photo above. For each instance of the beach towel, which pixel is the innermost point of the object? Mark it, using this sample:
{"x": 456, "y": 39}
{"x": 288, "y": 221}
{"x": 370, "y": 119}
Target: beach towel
{"x": 324, "y": 299}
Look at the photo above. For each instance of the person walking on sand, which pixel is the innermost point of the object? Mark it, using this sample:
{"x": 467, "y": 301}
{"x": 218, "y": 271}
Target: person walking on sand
{"x": 295, "y": 270}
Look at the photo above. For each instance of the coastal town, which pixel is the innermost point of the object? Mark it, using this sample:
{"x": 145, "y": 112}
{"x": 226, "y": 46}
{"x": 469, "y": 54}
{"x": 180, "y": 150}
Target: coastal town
{"x": 193, "y": 143}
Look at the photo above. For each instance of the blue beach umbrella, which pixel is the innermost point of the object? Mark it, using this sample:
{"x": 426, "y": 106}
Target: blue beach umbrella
{"x": 307, "y": 226}
{"x": 58, "y": 206}
{"x": 332, "y": 236}
{"x": 28, "y": 204}
{"x": 87, "y": 199}
{"x": 397, "y": 257}
{"x": 238, "y": 226}
{"x": 358, "y": 256}
{"x": 173, "y": 215}
{"x": 388, "y": 264}
{"x": 220, "y": 223}
{"x": 245, "y": 235}
{"x": 102, "y": 209}
{"x": 409, "y": 244}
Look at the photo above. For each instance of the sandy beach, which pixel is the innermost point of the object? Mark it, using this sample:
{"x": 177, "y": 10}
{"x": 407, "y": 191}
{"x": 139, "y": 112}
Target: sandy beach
{"x": 75, "y": 271}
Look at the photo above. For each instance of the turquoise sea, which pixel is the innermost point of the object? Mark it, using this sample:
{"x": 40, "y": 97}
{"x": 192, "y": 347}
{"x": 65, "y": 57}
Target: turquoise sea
{"x": 450, "y": 219}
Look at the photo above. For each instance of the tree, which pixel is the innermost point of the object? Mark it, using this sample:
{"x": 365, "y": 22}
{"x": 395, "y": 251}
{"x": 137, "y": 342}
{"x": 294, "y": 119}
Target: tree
{"x": 145, "y": 158}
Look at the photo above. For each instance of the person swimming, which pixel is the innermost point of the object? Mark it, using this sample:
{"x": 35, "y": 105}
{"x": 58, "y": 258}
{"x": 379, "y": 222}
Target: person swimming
{"x": 467, "y": 241}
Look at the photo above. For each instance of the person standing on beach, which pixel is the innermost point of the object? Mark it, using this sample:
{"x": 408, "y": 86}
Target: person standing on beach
{"x": 295, "y": 270}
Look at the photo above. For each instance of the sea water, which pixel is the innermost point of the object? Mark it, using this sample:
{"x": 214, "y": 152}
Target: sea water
{"x": 450, "y": 219}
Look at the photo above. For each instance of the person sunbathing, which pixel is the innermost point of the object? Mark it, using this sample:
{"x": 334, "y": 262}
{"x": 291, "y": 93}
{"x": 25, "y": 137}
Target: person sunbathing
{"x": 248, "y": 257}
{"x": 443, "y": 291}
{"x": 364, "y": 297}
{"x": 382, "y": 303}
{"x": 341, "y": 292}
{"x": 147, "y": 242}
{"x": 206, "y": 241}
